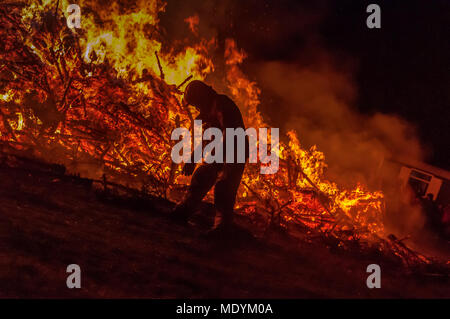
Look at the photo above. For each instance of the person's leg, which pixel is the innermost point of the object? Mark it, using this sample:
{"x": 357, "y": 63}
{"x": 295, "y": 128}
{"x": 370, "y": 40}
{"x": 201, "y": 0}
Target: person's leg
{"x": 225, "y": 193}
{"x": 202, "y": 181}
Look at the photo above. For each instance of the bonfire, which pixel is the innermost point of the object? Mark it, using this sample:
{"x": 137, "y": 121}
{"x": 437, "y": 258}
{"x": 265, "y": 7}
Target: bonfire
{"x": 103, "y": 99}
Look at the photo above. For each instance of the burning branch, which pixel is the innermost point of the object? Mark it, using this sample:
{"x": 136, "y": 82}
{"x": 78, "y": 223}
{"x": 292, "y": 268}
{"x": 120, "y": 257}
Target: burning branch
{"x": 159, "y": 66}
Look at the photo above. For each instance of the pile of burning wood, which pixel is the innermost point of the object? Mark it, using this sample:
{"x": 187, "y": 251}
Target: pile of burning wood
{"x": 63, "y": 109}
{"x": 62, "y": 102}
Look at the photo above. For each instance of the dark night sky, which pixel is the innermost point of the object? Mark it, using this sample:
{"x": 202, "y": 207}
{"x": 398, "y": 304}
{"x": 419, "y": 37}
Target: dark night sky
{"x": 402, "y": 68}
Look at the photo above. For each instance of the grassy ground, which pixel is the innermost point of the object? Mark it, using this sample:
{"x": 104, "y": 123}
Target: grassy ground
{"x": 48, "y": 222}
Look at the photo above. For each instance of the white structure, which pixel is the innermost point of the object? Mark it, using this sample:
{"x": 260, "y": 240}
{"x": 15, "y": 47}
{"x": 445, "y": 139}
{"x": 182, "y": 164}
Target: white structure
{"x": 424, "y": 179}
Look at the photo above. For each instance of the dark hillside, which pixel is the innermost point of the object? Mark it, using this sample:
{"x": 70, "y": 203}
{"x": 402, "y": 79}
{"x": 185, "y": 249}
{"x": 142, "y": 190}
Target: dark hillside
{"x": 126, "y": 248}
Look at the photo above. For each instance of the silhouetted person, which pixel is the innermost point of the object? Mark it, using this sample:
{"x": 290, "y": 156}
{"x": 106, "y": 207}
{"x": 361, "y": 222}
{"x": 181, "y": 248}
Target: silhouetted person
{"x": 218, "y": 111}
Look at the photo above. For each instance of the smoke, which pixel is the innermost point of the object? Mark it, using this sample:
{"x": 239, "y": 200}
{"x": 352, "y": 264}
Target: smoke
{"x": 317, "y": 97}
{"x": 318, "y": 101}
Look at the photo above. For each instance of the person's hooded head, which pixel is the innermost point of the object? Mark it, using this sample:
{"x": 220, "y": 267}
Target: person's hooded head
{"x": 199, "y": 94}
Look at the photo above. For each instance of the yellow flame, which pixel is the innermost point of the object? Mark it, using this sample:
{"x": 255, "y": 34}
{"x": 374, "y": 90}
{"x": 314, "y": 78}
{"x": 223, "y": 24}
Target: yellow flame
{"x": 128, "y": 38}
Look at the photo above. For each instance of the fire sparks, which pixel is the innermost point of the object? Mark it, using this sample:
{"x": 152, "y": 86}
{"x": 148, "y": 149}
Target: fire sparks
{"x": 104, "y": 99}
